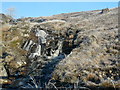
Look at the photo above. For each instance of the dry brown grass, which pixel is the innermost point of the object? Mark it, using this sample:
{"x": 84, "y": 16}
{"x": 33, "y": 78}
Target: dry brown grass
{"x": 5, "y": 28}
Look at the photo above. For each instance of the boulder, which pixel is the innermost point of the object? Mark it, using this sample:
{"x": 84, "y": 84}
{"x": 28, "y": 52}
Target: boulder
{"x": 3, "y": 75}
{"x": 105, "y": 10}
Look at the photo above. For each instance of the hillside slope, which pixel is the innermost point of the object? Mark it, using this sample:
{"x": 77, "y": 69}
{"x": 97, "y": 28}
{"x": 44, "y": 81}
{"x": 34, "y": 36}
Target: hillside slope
{"x": 79, "y": 49}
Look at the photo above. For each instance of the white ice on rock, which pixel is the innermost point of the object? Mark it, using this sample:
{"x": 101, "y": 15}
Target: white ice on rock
{"x": 41, "y": 34}
{"x": 28, "y": 45}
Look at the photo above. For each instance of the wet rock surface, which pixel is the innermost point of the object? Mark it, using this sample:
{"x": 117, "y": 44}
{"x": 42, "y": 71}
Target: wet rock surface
{"x": 74, "y": 52}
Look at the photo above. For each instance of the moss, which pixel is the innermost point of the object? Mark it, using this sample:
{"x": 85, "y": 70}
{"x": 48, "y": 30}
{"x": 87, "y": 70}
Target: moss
{"x": 15, "y": 44}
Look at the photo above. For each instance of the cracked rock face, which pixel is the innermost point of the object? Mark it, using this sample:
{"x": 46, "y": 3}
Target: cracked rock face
{"x": 43, "y": 45}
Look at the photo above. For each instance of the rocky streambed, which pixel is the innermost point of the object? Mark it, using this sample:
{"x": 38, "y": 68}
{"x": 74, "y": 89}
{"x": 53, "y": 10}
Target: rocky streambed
{"x": 62, "y": 53}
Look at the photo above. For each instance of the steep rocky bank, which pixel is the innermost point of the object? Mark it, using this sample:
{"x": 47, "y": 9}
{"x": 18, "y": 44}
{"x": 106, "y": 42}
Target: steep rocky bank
{"x": 75, "y": 50}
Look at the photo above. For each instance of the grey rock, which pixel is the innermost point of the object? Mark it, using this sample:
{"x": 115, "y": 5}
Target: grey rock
{"x": 3, "y": 70}
{"x": 36, "y": 53}
{"x": 3, "y": 74}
